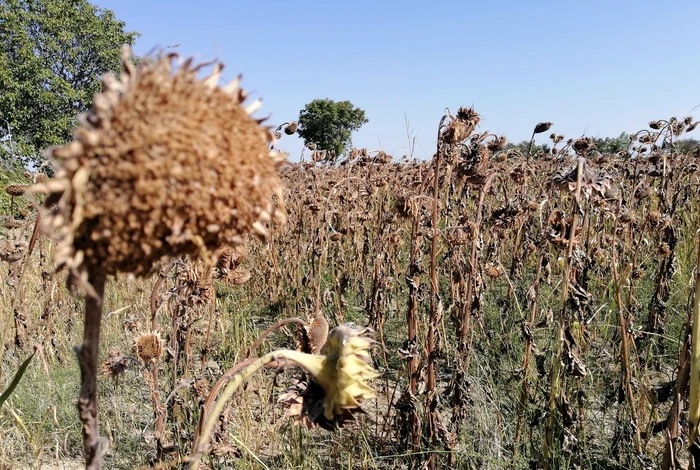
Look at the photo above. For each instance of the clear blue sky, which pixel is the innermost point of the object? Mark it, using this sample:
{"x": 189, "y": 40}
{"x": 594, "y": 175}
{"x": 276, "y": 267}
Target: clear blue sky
{"x": 592, "y": 67}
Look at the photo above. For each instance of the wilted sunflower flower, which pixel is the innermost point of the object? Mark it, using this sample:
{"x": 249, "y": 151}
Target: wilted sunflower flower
{"x": 12, "y": 224}
{"x": 342, "y": 370}
{"x": 460, "y": 128}
{"x": 542, "y": 127}
{"x": 166, "y": 164}
{"x": 291, "y": 128}
{"x": 339, "y": 384}
{"x": 12, "y": 251}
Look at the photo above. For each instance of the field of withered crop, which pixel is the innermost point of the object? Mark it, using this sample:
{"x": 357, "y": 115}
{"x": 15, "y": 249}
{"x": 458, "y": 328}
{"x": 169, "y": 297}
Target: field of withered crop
{"x": 490, "y": 308}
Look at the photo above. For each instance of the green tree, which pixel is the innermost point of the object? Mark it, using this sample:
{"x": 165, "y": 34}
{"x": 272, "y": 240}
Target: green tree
{"x": 52, "y": 56}
{"x": 687, "y": 145}
{"x": 612, "y": 145}
{"x": 329, "y": 124}
{"x": 523, "y": 146}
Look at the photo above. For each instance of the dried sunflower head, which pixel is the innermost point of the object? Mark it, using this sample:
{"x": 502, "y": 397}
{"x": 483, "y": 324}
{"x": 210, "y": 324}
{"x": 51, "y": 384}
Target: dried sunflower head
{"x": 499, "y": 143}
{"x": 493, "y": 271}
{"x": 115, "y": 364}
{"x": 15, "y": 190}
{"x": 194, "y": 280}
{"x": 40, "y": 178}
{"x": 383, "y": 158}
{"x": 654, "y": 217}
{"x": 237, "y": 277}
{"x": 12, "y": 250}
{"x": 131, "y": 323}
{"x": 228, "y": 267}
{"x": 583, "y": 144}
{"x": 230, "y": 258}
{"x": 458, "y": 237}
{"x": 461, "y": 126}
{"x": 148, "y": 347}
{"x": 542, "y": 127}
{"x": 12, "y": 224}
{"x": 164, "y": 165}
{"x": 317, "y": 332}
{"x": 469, "y": 115}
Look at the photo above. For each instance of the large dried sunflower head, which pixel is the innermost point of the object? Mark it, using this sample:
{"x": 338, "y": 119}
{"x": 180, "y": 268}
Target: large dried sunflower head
{"x": 165, "y": 164}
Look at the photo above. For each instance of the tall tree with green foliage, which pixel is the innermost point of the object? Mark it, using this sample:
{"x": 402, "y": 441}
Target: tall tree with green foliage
{"x": 329, "y": 124}
{"x": 52, "y": 56}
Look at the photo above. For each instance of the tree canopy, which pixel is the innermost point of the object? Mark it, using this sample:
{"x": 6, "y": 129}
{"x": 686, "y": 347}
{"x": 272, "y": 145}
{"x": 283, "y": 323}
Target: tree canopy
{"x": 329, "y": 124}
{"x": 52, "y": 56}
{"x": 612, "y": 144}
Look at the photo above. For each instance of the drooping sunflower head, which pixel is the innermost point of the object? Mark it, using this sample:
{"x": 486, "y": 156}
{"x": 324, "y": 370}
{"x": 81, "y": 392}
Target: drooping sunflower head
{"x": 347, "y": 370}
{"x": 115, "y": 364}
{"x": 340, "y": 378}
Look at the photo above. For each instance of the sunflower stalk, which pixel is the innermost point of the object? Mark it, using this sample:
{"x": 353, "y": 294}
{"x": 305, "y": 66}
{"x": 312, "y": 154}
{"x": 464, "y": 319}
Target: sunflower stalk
{"x": 527, "y": 329}
{"x": 153, "y": 381}
{"x": 464, "y": 333}
{"x": 94, "y": 446}
{"x": 625, "y": 346}
{"x": 694, "y": 407}
{"x": 556, "y": 387}
{"x": 431, "y": 405}
{"x": 679, "y": 399}
{"x": 412, "y": 333}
